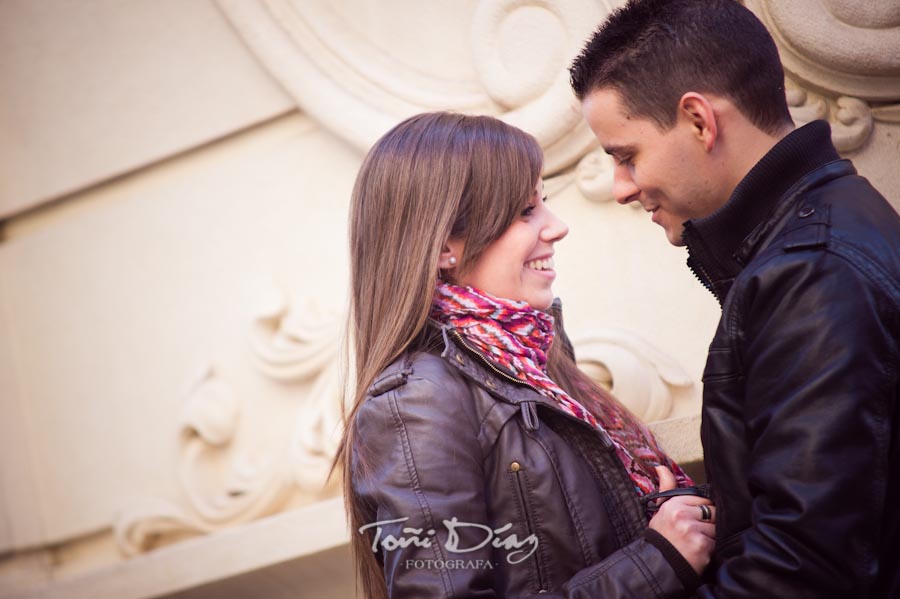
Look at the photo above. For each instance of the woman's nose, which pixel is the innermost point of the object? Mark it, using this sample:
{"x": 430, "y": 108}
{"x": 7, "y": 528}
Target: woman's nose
{"x": 555, "y": 229}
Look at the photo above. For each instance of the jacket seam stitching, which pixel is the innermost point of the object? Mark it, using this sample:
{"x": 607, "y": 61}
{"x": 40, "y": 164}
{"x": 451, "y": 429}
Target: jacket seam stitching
{"x": 414, "y": 478}
{"x": 601, "y": 570}
{"x": 642, "y": 567}
{"x": 521, "y": 517}
{"x": 868, "y": 268}
{"x": 535, "y": 516}
{"x": 573, "y": 513}
{"x": 626, "y": 554}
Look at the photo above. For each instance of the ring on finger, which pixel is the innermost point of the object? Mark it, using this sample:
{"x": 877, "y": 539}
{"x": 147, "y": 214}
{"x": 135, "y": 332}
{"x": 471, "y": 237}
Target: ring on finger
{"x": 705, "y": 513}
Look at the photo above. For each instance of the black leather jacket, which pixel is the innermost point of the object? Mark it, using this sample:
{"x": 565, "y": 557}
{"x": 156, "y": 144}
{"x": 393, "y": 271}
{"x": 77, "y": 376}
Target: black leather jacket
{"x": 800, "y": 417}
{"x": 444, "y": 437}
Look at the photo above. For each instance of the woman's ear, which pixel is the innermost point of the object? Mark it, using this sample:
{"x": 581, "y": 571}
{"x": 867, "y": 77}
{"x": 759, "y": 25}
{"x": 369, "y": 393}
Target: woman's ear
{"x": 451, "y": 254}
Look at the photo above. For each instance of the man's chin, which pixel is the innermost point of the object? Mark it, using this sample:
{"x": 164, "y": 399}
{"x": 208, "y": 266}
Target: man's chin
{"x": 676, "y": 238}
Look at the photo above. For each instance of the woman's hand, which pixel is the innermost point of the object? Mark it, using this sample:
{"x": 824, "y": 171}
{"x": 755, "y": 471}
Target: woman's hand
{"x": 680, "y": 521}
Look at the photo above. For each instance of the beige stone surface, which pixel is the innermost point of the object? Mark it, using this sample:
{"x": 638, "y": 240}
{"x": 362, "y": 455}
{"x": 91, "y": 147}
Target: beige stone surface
{"x": 91, "y": 90}
{"x": 19, "y": 494}
{"x": 116, "y": 308}
{"x": 169, "y": 338}
{"x": 843, "y": 65}
{"x": 852, "y": 48}
{"x": 878, "y": 161}
{"x": 679, "y": 437}
{"x": 289, "y": 555}
{"x": 355, "y": 74}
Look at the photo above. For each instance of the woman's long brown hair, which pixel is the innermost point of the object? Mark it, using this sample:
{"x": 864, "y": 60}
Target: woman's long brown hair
{"x": 432, "y": 177}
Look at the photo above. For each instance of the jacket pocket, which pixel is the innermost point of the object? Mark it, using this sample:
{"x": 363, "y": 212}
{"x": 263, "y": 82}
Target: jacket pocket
{"x": 522, "y": 491}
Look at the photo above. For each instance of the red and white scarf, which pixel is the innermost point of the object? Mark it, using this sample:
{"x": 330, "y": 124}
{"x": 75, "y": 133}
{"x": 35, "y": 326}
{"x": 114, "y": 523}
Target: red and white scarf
{"x": 517, "y": 337}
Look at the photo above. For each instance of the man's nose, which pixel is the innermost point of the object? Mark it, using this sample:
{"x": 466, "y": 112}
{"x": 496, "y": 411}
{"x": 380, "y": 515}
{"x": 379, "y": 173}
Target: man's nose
{"x": 624, "y": 188}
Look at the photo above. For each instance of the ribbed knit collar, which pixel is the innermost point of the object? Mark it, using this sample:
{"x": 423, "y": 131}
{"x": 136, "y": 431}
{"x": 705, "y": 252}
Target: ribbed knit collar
{"x": 714, "y": 241}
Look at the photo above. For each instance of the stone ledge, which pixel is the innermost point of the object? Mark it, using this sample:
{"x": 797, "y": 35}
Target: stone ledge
{"x": 300, "y": 534}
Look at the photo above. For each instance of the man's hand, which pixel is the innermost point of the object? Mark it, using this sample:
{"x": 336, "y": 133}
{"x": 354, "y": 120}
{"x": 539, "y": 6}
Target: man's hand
{"x": 681, "y": 521}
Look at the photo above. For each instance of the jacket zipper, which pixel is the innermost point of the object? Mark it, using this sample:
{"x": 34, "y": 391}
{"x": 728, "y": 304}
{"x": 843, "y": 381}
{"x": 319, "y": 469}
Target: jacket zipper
{"x": 515, "y": 468}
{"x": 696, "y": 265}
{"x": 704, "y": 278}
{"x": 490, "y": 365}
{"x": 531, "y": 415}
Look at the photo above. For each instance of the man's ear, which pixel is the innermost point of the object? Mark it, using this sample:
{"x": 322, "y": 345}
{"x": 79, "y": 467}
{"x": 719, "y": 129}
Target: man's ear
{"x": 697, "y": 111}
{"x": 451, "y": 254}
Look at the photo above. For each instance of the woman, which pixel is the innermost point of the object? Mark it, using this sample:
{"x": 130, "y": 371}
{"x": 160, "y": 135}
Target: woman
{"x": 478, "y": 460}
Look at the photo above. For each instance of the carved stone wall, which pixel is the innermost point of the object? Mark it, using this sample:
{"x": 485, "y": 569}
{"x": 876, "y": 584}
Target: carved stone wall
{"x": 170, "y": 339}
{"x": 842, "y": 61}
{"x": 359, "y": 68}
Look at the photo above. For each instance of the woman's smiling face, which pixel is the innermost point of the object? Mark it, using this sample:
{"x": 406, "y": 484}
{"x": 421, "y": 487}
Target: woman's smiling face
{"x": 519, "y": 264}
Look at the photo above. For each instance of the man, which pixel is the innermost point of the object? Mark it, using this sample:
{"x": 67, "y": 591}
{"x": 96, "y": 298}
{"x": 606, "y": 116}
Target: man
{"x": 800, "y": 418}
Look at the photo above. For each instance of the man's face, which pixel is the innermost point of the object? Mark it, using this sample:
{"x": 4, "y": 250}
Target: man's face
{"x": 669, "y": 173}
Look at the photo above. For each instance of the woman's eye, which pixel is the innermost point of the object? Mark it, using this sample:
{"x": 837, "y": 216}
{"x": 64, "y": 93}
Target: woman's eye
{"x": 529, "y": 210}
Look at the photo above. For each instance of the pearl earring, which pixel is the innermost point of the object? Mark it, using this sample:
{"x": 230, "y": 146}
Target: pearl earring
{"x": 452, "y": 260}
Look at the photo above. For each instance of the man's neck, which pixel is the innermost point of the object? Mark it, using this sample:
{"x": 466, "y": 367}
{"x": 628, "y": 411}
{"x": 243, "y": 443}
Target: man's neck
{"x": 747, "y": 146}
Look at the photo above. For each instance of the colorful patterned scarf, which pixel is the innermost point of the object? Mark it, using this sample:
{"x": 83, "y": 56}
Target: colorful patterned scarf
{"x": 517, "y": 337}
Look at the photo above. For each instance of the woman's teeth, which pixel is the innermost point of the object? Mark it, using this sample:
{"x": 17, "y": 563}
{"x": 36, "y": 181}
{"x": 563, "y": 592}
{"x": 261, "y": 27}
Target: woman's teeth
{"x": 540, "y": 264}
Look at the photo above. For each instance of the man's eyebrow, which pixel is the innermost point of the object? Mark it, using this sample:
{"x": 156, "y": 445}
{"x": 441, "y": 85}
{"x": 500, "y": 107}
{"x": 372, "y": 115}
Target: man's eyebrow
{"x": 611, "y": 150}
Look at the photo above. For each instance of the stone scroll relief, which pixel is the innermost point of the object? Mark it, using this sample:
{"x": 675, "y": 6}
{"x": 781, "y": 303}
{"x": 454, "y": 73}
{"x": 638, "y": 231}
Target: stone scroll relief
{"x": 227, "y": 485}
{"x": 357, "y": 85}
{"x": 842, "y": 58}
{"x": 641, "y": 376}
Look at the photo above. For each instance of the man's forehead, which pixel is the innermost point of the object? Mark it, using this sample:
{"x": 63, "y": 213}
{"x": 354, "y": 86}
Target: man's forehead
{"x": 607, "y": 97}
{"x": 605, "y": 108}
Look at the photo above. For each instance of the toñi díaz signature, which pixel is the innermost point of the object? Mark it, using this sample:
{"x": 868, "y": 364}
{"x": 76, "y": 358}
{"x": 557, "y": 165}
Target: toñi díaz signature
{"x": 412, "y": 537}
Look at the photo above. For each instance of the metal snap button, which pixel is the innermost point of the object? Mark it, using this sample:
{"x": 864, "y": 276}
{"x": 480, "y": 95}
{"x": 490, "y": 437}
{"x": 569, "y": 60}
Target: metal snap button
{"x": 515, "y": 466}
{"x": 490, "y": 383}
{"x": 806, "y": 211}
{"x": 459, "y": 359}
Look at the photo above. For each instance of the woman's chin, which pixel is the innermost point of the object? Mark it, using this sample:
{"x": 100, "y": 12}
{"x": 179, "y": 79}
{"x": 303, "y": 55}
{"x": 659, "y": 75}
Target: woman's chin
{"x": 542, "y": 302}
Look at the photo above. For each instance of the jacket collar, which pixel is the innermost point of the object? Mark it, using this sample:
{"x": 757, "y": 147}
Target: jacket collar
{"x": 719, "y": 245}
{"x": 477, "y": 367}
{"x": 497, "y": 379}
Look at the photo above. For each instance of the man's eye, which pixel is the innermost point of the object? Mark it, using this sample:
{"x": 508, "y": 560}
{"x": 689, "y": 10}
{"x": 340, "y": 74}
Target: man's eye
{"x": 623, "y": 160}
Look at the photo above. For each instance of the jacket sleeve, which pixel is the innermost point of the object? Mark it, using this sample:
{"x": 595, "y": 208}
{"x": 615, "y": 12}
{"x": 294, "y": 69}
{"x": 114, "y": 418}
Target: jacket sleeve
{"x": 649, "y": 567}
{"x": 419, "y": 457}
{"x": 821, "y": 373}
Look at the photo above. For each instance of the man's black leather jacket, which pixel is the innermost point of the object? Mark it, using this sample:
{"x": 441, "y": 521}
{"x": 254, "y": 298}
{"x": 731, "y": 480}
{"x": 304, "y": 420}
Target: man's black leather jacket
{"x": 800, "y": 416}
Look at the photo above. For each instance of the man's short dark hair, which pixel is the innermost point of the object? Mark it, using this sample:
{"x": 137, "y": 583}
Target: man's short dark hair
{"x": 653, "y": 51}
